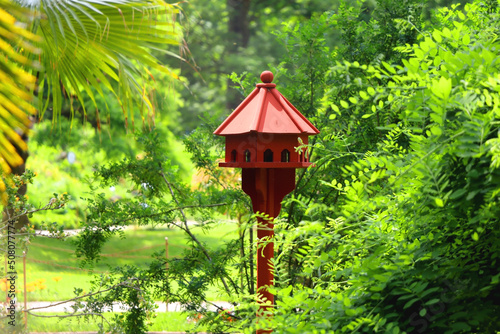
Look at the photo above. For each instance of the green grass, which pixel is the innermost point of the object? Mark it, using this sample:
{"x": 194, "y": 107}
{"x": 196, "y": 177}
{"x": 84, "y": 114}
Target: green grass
{"x": 52, "y": 269}
{"x": 169, "y": 321}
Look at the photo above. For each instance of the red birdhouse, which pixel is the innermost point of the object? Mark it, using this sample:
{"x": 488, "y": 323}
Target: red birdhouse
{"x": 264, "y": 131}
{"x": 262, "y": 135}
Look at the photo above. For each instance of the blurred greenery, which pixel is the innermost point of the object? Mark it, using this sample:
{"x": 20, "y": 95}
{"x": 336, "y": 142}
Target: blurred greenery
{"x": 395, "y": 229}
{"x": 64, "y": 160}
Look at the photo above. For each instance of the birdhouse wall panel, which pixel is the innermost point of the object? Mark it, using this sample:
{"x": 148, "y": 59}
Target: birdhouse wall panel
{"x": 264, "y": 147}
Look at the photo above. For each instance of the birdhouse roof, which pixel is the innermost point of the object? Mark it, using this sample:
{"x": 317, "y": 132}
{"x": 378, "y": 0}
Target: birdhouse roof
{"x": 265, "y": 110}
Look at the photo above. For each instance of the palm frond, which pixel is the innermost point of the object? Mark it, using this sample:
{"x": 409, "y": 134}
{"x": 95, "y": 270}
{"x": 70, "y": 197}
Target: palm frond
{"x": 91, "y": 43}
{"x": 16, "y": 84}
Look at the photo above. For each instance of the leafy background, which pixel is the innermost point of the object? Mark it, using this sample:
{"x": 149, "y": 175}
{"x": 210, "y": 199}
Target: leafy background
{"x": 395, "y": 229}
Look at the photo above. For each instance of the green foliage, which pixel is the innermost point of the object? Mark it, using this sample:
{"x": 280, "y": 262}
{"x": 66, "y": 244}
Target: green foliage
{"x": 76, "y": 52}
{"x": 19, "y": 205}
{"x": 51, "y": 151}
{"x": 411, "y": 245}
{"x": 114, "y": 37}
{"x": 159, "y": 198}
{"x": 396, "y": 227}
{"x": 391, "y": 24}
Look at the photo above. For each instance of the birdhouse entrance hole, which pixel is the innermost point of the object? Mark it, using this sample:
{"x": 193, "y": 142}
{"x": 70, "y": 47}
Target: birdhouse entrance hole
{"x": 285, "y": 156}
{"x": 248, "y": 157}
{"x": 268, "y": 155}
{"x": 233, "y": 156}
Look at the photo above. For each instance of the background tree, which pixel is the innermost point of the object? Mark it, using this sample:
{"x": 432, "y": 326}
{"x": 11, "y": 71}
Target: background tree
{"x": 394, "y": 230}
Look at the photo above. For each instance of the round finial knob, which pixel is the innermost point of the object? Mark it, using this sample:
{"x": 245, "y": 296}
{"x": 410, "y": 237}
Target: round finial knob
{"x": 267, "y": 77}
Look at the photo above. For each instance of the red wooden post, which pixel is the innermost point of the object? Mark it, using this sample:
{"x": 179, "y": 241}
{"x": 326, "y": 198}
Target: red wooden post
{"x": 261, "y": 137}
{"x": 266, "y": 187}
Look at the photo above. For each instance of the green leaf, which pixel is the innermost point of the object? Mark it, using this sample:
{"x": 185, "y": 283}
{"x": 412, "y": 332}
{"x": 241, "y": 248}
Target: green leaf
{"x": 439, "y": 202}
{"x": 437, "y": 36}
{"x": 436, "y": 131}
{"x": 437, "y": 61}
{"x": 475, "y": 236}
{"x": 324, "y": 257}
{"x": 428, "y": 291}
{"x": 389, "y": 67}
{"x": 495, "y": 279}
{"x": 461, "y": 326}
{"x": 446, "y": 32}
{"x": 422, "y": 312}
{"x": 344, "y": 104}
{"x": 432, "y": 302}
{"x": 458, "y": 193}
{"x": 466, "y": 39}
{"x": 351, "y": 312}
{"x": 410, "y": 303}
{"x": 442, "y": 88}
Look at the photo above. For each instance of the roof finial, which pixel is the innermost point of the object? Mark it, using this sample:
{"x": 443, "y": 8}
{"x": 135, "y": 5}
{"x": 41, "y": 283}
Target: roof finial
{"x": 267, "y": 77}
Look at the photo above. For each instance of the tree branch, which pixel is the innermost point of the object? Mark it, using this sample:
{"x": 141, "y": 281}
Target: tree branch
{"x": 68, "y": 315}
{"x": 175, "y": 209}
{"x": 186, "y": 227}
{"x": 84, "y": 296}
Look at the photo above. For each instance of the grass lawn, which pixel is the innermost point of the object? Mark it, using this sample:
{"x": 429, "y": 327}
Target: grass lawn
{"x": 53, "y": 271}
{"x": 170, "y": 321}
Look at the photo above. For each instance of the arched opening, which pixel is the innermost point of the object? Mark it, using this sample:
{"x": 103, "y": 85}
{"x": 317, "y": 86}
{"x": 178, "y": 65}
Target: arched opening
{"x": 268, "y": 155}
{"x": 285, "y": 155}
{"x": 233, "y": 156}
{"x": 248, "y": 157}
{"x": 301, "y": 157}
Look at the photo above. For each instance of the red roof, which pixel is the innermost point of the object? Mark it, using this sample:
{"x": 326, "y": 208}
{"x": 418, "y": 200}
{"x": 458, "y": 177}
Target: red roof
{"x": 265, "y": 110}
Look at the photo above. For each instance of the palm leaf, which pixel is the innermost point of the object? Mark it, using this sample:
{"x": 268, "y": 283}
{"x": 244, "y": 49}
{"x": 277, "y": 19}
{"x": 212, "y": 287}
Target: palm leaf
{"x": 16, "y": 84}
{"x": 85, "y": 45}
{"x": 90, "y": 43}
